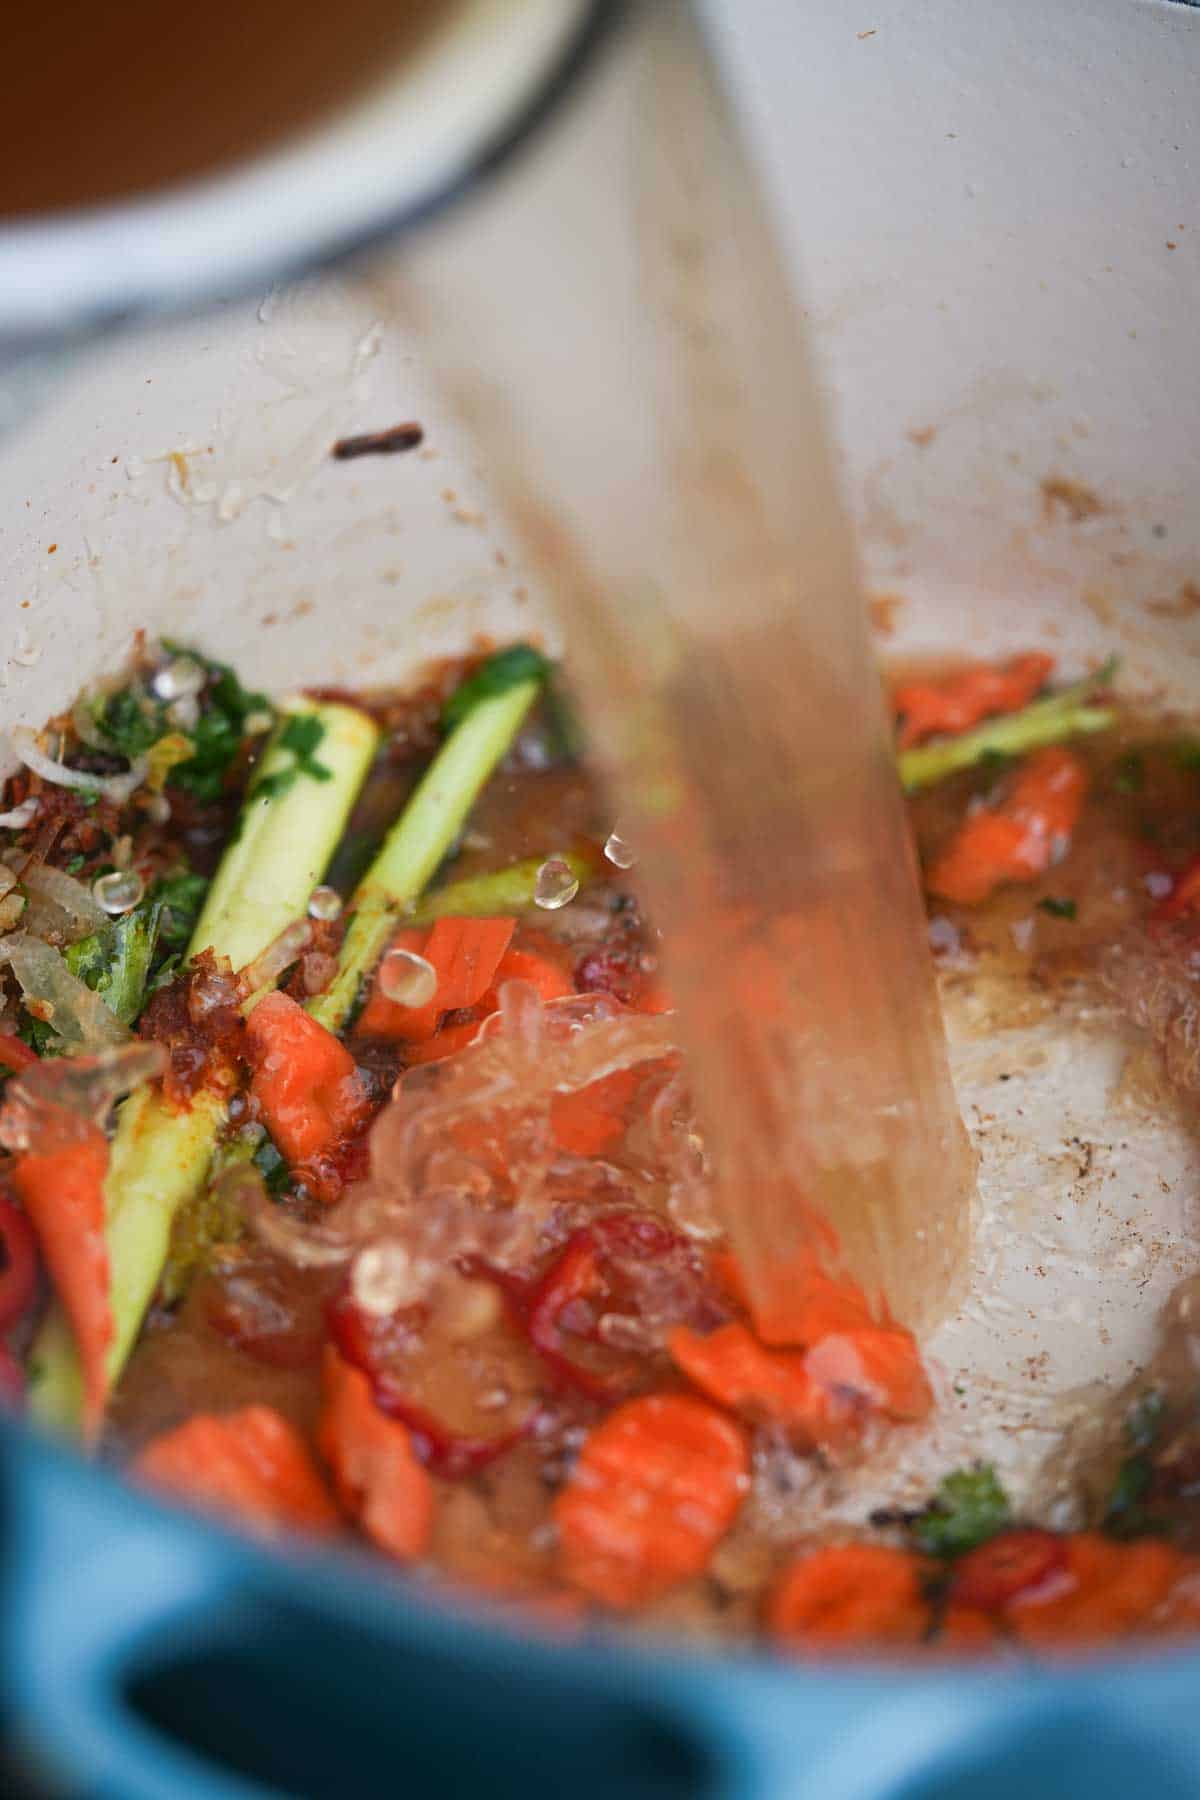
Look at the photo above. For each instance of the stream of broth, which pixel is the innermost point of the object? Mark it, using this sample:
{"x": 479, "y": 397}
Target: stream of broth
{"x": 660, "y": 442}
{"x": 106, "y": 102}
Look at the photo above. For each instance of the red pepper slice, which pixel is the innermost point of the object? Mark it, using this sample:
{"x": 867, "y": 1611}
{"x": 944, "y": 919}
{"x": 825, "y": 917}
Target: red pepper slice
{"x": 578, "y": 1275}
{"x": 1184, "y": 896}
{"x": 14, "y": 1053}
{"x": 992, "y": 1575}
{"x": 451, "y": 1454}
{"x": 18, "y": 1263}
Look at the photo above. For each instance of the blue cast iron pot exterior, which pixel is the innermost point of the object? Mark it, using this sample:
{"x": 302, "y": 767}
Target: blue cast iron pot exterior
{"x": 146, "y": 1655}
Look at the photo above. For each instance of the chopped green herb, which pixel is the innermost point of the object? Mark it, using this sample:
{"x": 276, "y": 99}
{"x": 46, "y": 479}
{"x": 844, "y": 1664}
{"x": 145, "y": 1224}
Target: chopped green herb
{"x": 301, "y": 736}
{"x": 1058, "y": 909}
{"x": 181, "y": 896}
{"x": 39, "y": 1035}
{"x": 507, "y": 669}
{"x": 969, "y": 1507}
{"x": 137, "y": 954}
{"x": 1125, "y": 1514}
{"x": 133, "y": 720}
{"x": 115, "y": 962}
{"x": 1129, "y": 776}
{"x": 1145, "y": 1420}
{"x": 272, "y": 1168}
{"x": 76, "y": 863}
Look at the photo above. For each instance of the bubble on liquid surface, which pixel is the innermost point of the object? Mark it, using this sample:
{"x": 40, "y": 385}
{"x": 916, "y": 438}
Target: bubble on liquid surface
{"x": 383, "y": 1278}
{"x": 618, "y": 852}
{"x": 407, "y": 978}
{"x": 555, "y": 885}
{"x": 180, "y": 679}
{"x": 324, "y": 903}
{"x": 119, "y": 891}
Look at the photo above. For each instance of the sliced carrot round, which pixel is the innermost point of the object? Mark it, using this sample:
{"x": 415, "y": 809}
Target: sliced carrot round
{"x": 1105, "y": 1590}
{"x": 252, "y": 1465}
{"x": 378, "y": 1478}
{"x": 850, "y": 1595}
{"x": 656, "y": 1487}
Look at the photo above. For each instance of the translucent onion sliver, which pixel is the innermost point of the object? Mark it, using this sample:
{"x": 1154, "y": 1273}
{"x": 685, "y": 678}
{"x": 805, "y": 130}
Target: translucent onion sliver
{"x": 79, "y": 1018}
{"x": 116, "y": 788}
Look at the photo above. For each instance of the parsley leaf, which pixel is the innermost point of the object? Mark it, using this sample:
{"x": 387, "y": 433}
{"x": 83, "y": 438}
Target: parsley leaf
{"x": 969, "y": 1507}
{"x": 520, "y": 662}
{"x": 1129, "y": 776}
{"x": 1125, "y": 1513}
{"x": 123, "y": 961}
{"x": 115, "y": 961}
{"x": 301, "y": 736}
{"x": 1058, "y": 909}
{"x": 38, "y": 1034}
{"x": 272, "y": 1168}
{"x": 181, "y": 896}
{"x": 133, "y": 719}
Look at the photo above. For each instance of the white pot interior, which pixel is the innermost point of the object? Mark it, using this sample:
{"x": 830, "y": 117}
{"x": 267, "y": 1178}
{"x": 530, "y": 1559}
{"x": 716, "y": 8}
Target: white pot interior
{"x": 1016, "y": 390}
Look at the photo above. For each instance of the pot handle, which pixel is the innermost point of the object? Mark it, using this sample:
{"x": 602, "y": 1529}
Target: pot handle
{"x": 971, "y": 1734}
{"x": 147, "y": 1656}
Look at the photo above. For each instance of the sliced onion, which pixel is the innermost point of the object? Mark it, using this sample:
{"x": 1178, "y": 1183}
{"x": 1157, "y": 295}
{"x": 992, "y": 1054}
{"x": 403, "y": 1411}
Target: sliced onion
{"x": 59, "y": 903}
{"x": 60, "y": 1095}
{"x": 279, "y": 955}
{"x": 116, "y": 788}
{"x": 79, "y": 1018}
{"x": 83, "y": 719}
{"x": 21, "y": 816}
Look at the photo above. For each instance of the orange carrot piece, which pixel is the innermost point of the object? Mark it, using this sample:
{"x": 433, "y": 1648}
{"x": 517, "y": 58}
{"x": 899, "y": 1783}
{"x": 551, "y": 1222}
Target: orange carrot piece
{"x": 733, "y": 1368}
{"x": 378, "y": 1478}
{"x": 1018, "y": 839}
{"x": 657, "y": 1485}
{"x": 251, "y": 1465}
{"x": 384, "y": 1018}
{"x": 825, "y": 1393}
{"x": 1106, "y": 1590}
{"x": 877, "y": 1366}
{"x": 448, "y": 1042}
{"x": 592, "y": 1119}
{"x": 849, "y": 1595}
{"x": 305, "y": 1083}
{"x": 548, "y": 976}
{"x": 466, "y": 954}
{"x": 961, "y": 699}
{"x": 62, "y": 1187}
{"x": 826, "y": 1304}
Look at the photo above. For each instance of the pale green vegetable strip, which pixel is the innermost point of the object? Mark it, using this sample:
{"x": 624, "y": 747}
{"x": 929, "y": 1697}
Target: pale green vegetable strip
{"x": 420, "y": 838}
{"x": 285, "y": 840}
{"x": 159, "y": 1158}
{"x": 1048, "y": 721}
{"x": 479, "y": 896}
{"x": 158, "y": 1161}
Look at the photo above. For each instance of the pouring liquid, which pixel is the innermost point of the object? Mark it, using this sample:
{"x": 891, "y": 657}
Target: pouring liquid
{"x": 629, "y": 355}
